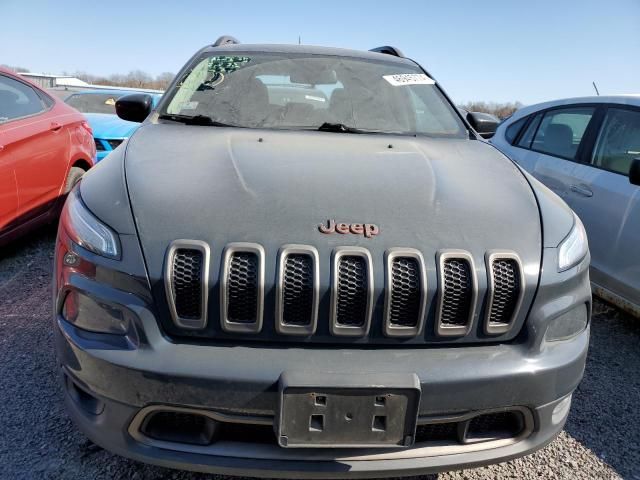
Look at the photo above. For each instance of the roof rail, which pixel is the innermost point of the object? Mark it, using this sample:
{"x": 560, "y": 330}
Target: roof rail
{"x": 225, "y": 40}
{"x": 388, "y": 50}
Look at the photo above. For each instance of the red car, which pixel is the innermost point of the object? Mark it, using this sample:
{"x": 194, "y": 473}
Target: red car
{"x": 45, "y": 147}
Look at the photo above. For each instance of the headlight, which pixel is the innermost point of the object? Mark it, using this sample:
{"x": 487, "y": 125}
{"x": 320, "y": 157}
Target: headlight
{"x": 86, "y": 230}
{"x": 574, "y": 247}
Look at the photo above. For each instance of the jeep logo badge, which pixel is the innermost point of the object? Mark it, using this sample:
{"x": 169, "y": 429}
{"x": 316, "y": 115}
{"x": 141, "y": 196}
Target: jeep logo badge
{"x": 367, "y": 229}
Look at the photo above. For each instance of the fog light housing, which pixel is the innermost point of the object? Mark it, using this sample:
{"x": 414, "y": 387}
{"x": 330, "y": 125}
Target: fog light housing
{"x": 89, "y": 314}
{"x": 568, "y": 325}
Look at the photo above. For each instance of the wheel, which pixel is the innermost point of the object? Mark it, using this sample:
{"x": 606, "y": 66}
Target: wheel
{"x": 75, "y": 174}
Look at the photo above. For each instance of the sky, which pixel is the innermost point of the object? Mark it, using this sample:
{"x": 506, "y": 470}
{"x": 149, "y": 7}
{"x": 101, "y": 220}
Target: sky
{"x": 490, "y": 50}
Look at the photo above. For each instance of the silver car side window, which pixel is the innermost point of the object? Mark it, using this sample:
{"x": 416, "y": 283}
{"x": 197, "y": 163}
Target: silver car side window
{"x": 561, "y": 131}
{"x": 618, "y": 142}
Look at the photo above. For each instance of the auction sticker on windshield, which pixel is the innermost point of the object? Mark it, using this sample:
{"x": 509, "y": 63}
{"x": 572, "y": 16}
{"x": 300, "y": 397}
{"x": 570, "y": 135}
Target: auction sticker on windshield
{"x": 409, "y": 79}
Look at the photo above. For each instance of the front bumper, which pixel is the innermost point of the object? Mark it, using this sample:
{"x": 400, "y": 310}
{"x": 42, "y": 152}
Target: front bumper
{"x": 243, "y": 381}
{"x": 121, "y": 378}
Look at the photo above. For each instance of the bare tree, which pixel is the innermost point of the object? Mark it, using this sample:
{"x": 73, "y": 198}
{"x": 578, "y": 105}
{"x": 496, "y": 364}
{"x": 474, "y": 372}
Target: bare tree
{"x": 137, "y": 78}
{"x": 500, "y": 110}
{"x": 163, "y": 80}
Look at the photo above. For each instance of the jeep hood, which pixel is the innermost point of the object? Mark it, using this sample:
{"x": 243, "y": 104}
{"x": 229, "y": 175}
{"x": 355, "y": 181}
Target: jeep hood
{"x": 224, "y": 185}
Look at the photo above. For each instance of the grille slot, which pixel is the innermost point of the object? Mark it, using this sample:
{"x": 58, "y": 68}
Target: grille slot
{"x": 405, "y": 293}
{"x": 297, "y": 290}
{"x": 187, "y": 285}
{"x": 186, "y": 280}
{"x": 352, "y": 289}
{"x": 242, "y": 288}
{"x": 506, "y": 288}
{"x": 457, "y": 293}
{"x": 242, "y": 304}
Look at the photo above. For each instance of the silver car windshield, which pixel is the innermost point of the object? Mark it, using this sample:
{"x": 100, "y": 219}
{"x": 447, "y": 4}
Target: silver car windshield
{"x": 311, "y": 91}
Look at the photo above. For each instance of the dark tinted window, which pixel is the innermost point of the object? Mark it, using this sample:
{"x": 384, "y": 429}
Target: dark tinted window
{"x": 527, "y": 136}
{"x": 17, "y": 100}
{"x": 561, "y": 131}
{"x": 512, "y": 130}
{"x": 618, "y": 141}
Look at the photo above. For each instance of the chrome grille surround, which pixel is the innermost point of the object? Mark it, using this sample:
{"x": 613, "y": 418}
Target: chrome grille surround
{"x": 395, "y": 330}
{"x": 493, "y": 303}
{"x": 289, "y": 328}
{"x": 339, "y": 329}
{"x": 351, "y": 316}
{"x": 442, "y": 328}
{"x": 170, "y": 288}
{"x": 228, "y": 325}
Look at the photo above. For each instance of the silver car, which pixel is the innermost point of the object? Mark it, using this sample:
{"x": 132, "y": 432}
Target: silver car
{"x": 587, "y": 150}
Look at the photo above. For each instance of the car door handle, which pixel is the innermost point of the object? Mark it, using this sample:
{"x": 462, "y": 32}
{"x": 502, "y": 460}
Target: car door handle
{"x": 55, "y": 127}
{"x": 582, "y": 190}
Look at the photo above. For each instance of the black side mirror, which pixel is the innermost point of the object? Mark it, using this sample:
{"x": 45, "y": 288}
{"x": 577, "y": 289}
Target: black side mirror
{"x": 634, "y": 172}
{"x": 483, "y": 123}
{"x": 134, "y": 107}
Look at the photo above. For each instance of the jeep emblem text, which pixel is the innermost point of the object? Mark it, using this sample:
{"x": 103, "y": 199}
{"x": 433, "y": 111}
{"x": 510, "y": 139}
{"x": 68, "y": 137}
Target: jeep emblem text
{"x": 367, "y": 229}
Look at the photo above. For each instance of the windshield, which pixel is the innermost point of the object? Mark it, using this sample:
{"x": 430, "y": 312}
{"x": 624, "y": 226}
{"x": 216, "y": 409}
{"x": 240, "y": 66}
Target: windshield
{"x": 310, "y": 92}
{"x": 94, "y": 102}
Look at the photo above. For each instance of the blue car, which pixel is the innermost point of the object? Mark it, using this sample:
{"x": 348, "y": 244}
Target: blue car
{"x": 98, "y": 106}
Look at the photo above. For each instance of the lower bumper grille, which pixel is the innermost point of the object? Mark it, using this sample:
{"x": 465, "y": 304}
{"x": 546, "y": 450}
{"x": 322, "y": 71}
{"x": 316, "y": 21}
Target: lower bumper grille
{"x": 183, "y": 428}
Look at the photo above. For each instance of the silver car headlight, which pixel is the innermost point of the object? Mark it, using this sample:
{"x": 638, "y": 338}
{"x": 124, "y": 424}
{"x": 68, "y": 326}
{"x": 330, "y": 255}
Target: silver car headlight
{"x": 574, "y": 247}
{"x": 86, "y": 230}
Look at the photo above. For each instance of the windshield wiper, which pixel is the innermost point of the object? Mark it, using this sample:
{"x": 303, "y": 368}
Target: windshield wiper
{"x": 196, "y": 120}
{"x": 341, "y": 128}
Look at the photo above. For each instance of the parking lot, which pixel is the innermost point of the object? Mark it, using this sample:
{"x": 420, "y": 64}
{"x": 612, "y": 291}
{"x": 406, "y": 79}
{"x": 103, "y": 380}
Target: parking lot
{"x": 601, "y": 438}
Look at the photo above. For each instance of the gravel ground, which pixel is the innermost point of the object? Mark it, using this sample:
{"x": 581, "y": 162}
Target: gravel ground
{"x": 601, "y": 438}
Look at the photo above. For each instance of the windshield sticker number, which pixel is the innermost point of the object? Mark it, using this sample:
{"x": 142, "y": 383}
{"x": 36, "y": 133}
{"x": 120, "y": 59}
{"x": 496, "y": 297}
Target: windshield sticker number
{"x": 402, "y": 79}
{"x": 192, "y": 105}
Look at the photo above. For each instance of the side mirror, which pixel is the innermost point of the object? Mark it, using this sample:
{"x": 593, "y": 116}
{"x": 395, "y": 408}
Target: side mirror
{"x": 634, "y": 172}
{"x": 483, "y": 123}
{"x": 134, "y": 107}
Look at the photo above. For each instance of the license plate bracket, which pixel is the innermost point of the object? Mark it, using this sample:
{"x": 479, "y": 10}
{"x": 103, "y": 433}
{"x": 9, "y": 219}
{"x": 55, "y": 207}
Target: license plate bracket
{"x": 347, "y": 411}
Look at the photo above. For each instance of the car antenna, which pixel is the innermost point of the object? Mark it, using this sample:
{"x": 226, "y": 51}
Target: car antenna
{"x": 596, "y": 88}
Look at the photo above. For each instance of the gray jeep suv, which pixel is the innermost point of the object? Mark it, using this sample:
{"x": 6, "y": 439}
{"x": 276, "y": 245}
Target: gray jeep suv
{"x": 306, "y": 263}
